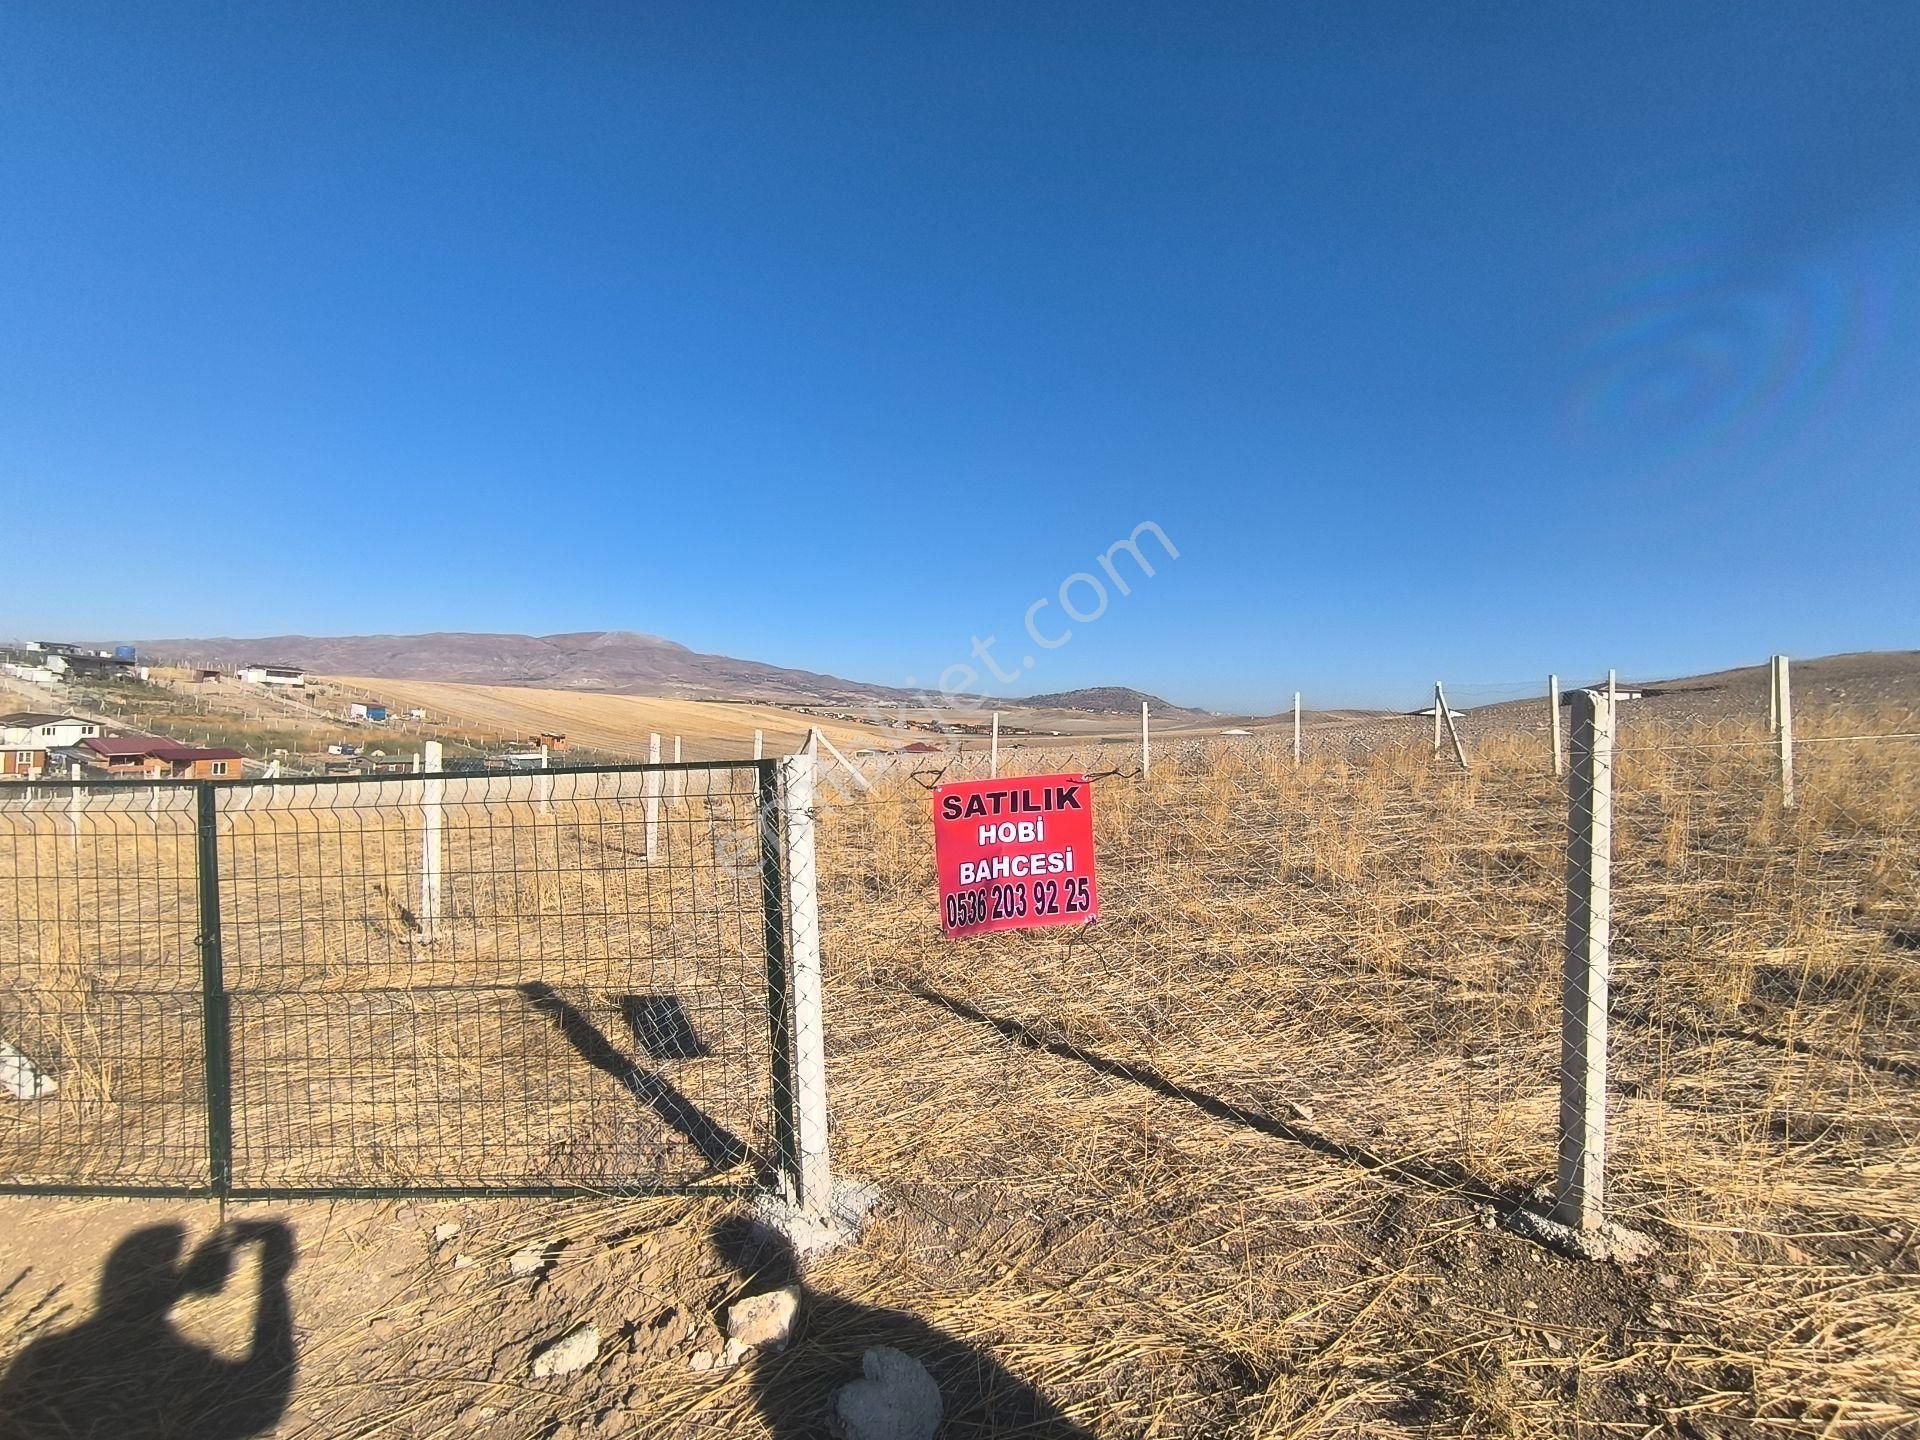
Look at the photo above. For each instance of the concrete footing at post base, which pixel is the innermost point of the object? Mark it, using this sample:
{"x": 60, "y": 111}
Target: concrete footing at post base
{"x": 818, "y": 1229}
{"x": 1607, "y": 1242}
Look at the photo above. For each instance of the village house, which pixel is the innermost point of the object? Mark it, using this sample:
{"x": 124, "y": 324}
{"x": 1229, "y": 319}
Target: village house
{"x": 27, "y": 735}
{"x": 258, "y": 674}
{"x": 144, "y": 757}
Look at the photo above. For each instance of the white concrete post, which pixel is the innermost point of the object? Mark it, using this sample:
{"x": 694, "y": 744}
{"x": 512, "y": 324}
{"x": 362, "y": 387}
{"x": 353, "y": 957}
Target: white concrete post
{"x": 759, "y": 745}
{"x": 1439, "y": 706}
{"x": 993, "y": 752}
{"x": 543, "y": 783}
{"x": 1783, "y": 687}
{"x": 812, "y": 1184}
{"x": 1582, "y": 1195}
{"x": 1146, "y": 743}
{"x": 650, "y": 804}
{"x": 859, "y": 778}
{"x": 1773, "y": 695}
{"x": 431, "y": 795}
{"x": 1453, "y": 733}
{"x": 1553, "y": 718}
{"x": 1613, "y": 691}
{"x": 1296, "y": 729}
{"x": 679, "y": 784}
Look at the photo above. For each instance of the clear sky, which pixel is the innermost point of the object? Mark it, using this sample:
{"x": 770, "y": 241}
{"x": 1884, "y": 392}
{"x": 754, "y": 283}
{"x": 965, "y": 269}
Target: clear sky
{"x": 1474, "y": 341}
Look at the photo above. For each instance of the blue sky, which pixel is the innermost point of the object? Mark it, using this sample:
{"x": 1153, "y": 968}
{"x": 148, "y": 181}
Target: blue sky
{"x": 1464, "y": 341}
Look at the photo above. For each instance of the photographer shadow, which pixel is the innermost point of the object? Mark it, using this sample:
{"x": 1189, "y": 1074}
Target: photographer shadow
{"x": 794, "y": 1389}
{"x": 128, "y": 1372}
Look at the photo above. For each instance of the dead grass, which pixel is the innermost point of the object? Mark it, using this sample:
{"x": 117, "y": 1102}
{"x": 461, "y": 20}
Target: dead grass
{"x": 1220, "y": 1165}
{"x": 1316, "y": 995}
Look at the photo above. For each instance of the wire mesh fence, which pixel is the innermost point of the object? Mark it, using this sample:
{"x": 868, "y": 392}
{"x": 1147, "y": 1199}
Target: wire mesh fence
{"x": 548, "y": 981}
{"x": 1326, "y": 1006}
{"x": 1316, "y": 1041}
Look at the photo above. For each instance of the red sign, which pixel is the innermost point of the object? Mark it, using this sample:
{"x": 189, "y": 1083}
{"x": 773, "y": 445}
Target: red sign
{"x": 1015, "y": 853}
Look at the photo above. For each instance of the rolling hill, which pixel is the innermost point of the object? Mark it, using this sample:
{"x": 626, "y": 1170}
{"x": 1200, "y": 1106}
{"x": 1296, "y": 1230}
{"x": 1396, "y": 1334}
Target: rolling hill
{"x": 618, "y": 662}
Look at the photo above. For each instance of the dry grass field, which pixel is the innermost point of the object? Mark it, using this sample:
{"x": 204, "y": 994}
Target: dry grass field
{"x": 616, "y": 724}
{"x": 1231, "y": 1162}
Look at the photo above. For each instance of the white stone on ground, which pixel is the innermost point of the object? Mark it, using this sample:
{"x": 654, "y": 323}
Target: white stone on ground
{"x": 21, "y": 1078}
{"x": 530, "y": 1260}
{"x": 448, "y": 1230}
{"x": 572, "y": 1352}
{"x": 895, "y": 1399}
{"x": 764, "y": 1321}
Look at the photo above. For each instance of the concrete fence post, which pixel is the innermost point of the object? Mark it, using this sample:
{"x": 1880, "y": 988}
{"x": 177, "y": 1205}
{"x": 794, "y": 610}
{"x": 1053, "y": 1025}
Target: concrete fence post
{"x": 1445, "y": 711}
{"x": 1580, "y": 1200}
{"x": 1146, "y": 743}
{"x": 431, "y": 798}
{"x": 1553, "y": 720}
{"x": 993, "y": 749}
{"x": 1783, "y": 695}
{"x": 1296, "y": 729}
{"x": 1439, "y": 708}
{"x": 1773, "y": 695}
{"x": 812, "y": 1178}
{"x": 650, "y": 801}
{"x": 759, "y": 745}
{"x": 679, "y": 786}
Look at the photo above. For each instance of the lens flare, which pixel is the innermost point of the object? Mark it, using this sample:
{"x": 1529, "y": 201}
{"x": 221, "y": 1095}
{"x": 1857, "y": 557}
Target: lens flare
{"x": 1697, "y": 344}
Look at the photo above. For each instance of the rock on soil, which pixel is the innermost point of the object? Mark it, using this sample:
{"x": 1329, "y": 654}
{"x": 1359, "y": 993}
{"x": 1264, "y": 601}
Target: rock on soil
{"x": 529, "y": 1261}
{"x": 574, "y": 1351}
{"x": 764, "y": 1322}
{"x": 895, "y": 1399}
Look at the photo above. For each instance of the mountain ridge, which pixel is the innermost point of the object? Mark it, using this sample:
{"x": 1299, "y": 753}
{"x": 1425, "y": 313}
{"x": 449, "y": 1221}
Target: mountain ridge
{"x": 615, "y": 661}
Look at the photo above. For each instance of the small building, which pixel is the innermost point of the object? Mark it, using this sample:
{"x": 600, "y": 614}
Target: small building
{"x": 33, "y": 674}
{"x": 148, "y": 758}
{"x": 48, "y": 731}
{"x": 255, "y": 673}
{"x": 417, "y": 713}
{"x": 207, "y": 675}
{"x": 81, "y": 666}
{"x": 341, "y": 748}
{"x": 27, "y": 736}
{"x": 22, "y": 762}
{"x": 550, "y": 740}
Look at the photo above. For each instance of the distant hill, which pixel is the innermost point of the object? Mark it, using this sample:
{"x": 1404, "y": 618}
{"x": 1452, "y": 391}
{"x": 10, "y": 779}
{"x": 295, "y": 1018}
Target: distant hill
{"x": 619, "y": 662}
{"x": 1108, "y": 700}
